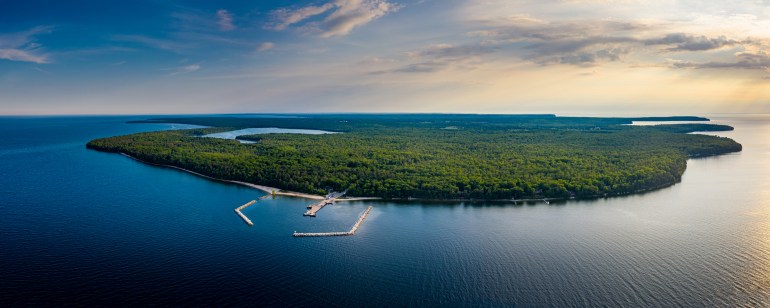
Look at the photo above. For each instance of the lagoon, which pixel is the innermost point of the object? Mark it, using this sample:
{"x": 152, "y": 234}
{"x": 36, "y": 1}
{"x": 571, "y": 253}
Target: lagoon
{"x": 264, "y": 130}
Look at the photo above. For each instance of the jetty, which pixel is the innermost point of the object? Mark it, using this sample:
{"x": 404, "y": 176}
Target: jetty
{"x": 330, "y": 198}
{"x": 246, "y": 219}
{"x": 348, "y": 233}
{"x": 314, "y": 208}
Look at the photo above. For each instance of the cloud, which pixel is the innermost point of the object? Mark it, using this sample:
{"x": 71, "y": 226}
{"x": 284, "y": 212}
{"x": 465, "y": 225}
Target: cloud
{"x": 440, "y": 57}
{"x": 153, "y": 42}
{"x": 744, "y": 60}
{"x": 22, "y": 46}
{"x": 21, "y": 56}
{"x": 583, "y": 57}
{"x": 583, "y": 43}
{"x": 592, "y": 42}
{"x": 685, "y": 42}
{"x": 342, "y": 16}
{"x": 285, "y": 17}
{"x": 352, "y": 14}
{"x": 448, "y": 51}
{"x": 225, "y": 20}
{"x": 186, "y": 69}
{"x": 265, "y": 46}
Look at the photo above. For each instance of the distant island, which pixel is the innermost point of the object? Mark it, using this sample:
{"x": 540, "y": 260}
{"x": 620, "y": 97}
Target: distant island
{"x": 435, "y": 156}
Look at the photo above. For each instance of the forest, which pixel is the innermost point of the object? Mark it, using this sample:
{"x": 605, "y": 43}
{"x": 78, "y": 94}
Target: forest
{"x": 436, "y": 156}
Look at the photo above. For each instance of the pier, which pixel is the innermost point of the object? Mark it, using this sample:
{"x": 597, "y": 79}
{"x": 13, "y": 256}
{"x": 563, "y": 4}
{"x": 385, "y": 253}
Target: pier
{"x": 351, "y": 232}
{"x": 330, "y": 198}
{"x": 313, "y": 209}
{"x": 246, "y": 219}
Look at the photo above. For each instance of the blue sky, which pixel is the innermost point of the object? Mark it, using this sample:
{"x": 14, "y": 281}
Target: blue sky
{"x": 481, "y": 56}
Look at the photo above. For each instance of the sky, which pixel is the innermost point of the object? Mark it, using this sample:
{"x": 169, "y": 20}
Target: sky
{"x": 641, "y": 57}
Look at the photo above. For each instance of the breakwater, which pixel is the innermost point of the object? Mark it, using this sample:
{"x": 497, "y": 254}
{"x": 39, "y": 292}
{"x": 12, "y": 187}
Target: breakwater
{"x": 352, "y": 230}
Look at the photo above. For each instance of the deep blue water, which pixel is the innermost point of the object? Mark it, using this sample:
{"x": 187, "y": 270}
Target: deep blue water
{"x": 90, "y": 228}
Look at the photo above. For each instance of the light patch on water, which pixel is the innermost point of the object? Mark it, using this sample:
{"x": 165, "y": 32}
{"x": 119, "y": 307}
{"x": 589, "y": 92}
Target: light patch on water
{"x": 265, "y": 130}
{"x": 651, "y": 123}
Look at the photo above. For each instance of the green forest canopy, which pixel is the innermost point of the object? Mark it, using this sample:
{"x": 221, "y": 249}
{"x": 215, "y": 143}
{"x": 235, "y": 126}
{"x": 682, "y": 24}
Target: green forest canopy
{"x": 436, "y": 156}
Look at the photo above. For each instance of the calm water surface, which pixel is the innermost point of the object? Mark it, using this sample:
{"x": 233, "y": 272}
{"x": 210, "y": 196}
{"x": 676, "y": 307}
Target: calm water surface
{"x": 80, "y": 226}
{"x": 265, "y": 130}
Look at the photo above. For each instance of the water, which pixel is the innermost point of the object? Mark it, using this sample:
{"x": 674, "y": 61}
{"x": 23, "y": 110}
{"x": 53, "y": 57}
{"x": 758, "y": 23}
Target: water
{"x": 265, "y": 130}
{"x": 80, "y": 226}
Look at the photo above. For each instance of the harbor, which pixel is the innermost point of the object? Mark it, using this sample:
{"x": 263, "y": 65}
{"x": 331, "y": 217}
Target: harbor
{"x": 352, "y": 230}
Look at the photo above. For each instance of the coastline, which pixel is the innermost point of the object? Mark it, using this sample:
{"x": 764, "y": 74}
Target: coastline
{"x": 266, "y": 189}
{"x": 280, "y": 192}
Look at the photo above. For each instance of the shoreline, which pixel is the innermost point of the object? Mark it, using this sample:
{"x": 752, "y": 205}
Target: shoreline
{"x": 267, "y": 189}
{"x": 279, "y": 192}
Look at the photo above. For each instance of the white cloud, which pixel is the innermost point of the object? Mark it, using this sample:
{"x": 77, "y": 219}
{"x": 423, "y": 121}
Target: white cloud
{"x": 22, "y": 47}
{"x": 21, "y": 56}
{"x": 265, "y": 46}
{"x": 186, "y": 69}
{"x": 286, "y": 17}
{"x": 225, "y": 20}
{"x": 343, "y": 16}
{"x": 164, "y": 44}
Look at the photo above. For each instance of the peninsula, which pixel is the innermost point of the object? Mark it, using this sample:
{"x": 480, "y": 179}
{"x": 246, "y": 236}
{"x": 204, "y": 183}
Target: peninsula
{"x": 435, "y": 156}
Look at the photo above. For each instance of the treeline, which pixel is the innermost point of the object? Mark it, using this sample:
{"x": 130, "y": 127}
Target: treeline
{"x": 434, "y": 157}
{"x": 691, "y": 128}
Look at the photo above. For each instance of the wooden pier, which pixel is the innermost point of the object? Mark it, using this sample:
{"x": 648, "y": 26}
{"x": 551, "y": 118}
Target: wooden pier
{"x": 246, "y": 219}
{"x": 351, "y": 232}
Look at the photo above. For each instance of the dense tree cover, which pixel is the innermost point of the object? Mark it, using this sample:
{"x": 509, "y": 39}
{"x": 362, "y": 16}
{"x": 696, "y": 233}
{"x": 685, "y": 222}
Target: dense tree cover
{"x": 689, "y": 128}
{"x": 436, "y": 156}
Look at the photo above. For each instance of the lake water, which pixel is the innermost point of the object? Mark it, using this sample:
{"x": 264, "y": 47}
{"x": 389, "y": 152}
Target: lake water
{"x": 265, "y": 130}
{"x": 80, "y": 226}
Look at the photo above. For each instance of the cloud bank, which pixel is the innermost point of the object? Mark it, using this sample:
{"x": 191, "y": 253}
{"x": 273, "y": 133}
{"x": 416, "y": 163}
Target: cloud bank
{"x": 591, "y": 42}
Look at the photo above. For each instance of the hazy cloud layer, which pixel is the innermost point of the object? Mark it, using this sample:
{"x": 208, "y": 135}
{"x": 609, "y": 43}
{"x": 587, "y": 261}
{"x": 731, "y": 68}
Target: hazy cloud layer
{"x": 588, "y": 43}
